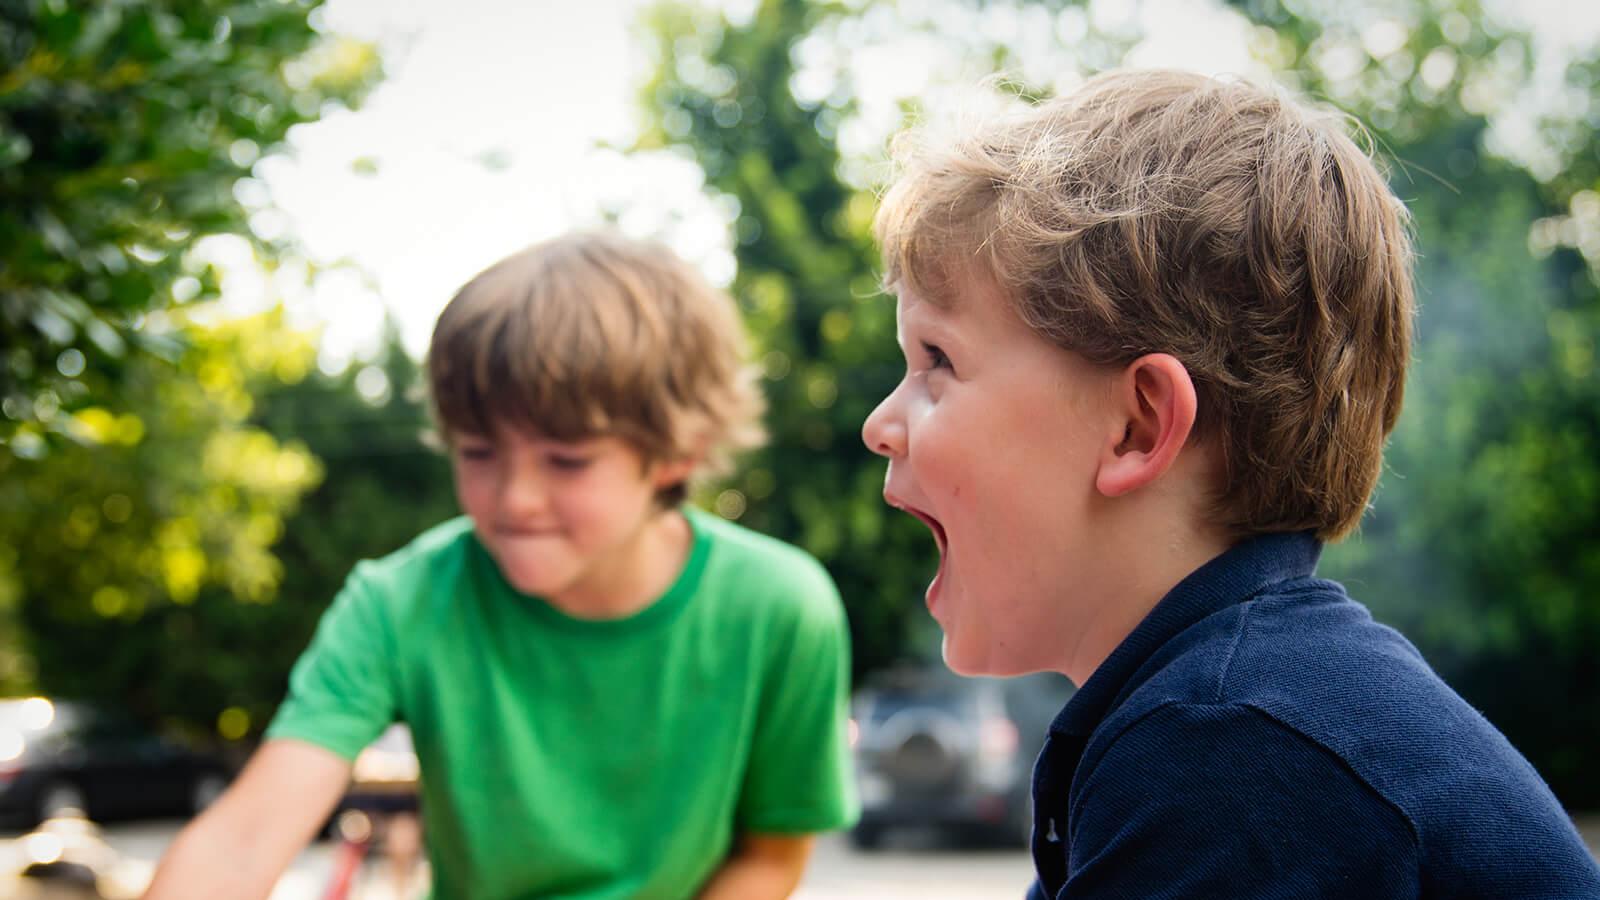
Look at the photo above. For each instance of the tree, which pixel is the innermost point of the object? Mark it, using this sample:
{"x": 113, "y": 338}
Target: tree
{"x": 822, "y": 328}
{"x": 140, "y": 504}
{"x": 118, "y": 544}
{"x": 125, "y": 130}
{"x": 131, "y": 549}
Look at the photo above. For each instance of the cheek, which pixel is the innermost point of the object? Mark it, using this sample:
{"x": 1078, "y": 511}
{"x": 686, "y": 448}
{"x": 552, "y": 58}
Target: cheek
{"x": 475, "y": 492}
{"x": 972, "y": 478}
{"x": 1004, "y": 511}
{"x": 599, "y": 501}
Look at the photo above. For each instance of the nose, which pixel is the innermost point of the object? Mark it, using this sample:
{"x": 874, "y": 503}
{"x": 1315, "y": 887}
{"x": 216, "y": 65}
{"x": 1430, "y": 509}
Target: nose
{"x": 523, "y": 492}
{"x": 884, "y": 432}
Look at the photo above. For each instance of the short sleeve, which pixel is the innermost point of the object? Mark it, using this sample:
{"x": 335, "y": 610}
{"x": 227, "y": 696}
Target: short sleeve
{"x": 343, "y": 689}
{"x": 800, "y": 778}
{"x": 1223, "y": 801}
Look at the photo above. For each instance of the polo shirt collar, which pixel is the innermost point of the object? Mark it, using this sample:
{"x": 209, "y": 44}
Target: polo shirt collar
{"x": 1235, "y": 576}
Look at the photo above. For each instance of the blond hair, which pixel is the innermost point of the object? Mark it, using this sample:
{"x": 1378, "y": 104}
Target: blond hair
{"x": 591, "y": 335}
{"x": 1161, "y": 211}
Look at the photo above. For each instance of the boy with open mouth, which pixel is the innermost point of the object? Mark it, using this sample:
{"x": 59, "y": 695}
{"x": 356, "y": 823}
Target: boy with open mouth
{"x": 1156, "y": 335}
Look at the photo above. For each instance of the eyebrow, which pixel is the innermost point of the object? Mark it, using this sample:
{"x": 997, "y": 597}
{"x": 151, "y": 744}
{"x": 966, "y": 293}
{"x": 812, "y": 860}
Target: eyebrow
{"x": 931, "y": 327}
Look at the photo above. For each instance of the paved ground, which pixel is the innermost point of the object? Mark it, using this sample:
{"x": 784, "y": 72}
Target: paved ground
{"x": 913, "y": 867}
{"x": 910, "y": 867}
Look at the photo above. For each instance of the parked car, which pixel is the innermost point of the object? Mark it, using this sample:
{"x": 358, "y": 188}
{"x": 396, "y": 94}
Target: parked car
{"x": 61, "y": 756}
{"x": 934, "y": 749}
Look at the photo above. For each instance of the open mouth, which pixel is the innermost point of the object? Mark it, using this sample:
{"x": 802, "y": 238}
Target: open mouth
{"x": 941, "y": 539}
{"x": 933, "y": 526}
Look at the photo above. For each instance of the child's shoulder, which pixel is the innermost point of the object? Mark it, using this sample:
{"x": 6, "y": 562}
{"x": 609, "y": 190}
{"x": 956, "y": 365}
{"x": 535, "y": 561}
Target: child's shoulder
{"x": 1316, "y": 665}
{"x": 1302, "y": 679}
{"x": 1303, "y": 647}
{"x": 436, "y": 553}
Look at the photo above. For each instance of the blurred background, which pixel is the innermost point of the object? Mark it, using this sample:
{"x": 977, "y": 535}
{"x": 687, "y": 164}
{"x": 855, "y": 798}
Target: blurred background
{"x": 226, "y": 227}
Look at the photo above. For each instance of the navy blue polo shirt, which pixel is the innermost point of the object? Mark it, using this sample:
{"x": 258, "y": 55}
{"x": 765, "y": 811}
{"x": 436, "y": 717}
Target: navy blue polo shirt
{"x": 1259, "y": 735}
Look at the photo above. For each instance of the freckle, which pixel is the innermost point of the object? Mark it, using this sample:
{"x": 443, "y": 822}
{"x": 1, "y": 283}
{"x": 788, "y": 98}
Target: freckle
{"x": 958, "y": 490}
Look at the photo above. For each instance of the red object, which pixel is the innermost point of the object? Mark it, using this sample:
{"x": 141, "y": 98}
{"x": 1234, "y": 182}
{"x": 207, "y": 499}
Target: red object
{"x": 345, "y": 867}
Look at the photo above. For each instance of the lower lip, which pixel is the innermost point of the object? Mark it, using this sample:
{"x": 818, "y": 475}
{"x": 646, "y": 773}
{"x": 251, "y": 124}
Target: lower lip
{"x": 932, "y": 596}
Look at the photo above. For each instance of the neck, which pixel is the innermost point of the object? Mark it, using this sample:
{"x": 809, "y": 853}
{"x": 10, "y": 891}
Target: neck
{"x": 1153, "y": 562}
{"x": 637, "y": 573}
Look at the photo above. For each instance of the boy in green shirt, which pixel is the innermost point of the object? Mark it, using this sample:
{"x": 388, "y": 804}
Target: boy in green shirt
{"x": 611, "y": 694}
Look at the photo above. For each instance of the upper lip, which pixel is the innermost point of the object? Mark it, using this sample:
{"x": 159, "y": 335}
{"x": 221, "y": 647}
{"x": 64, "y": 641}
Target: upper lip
{"x": 928, "y": 520}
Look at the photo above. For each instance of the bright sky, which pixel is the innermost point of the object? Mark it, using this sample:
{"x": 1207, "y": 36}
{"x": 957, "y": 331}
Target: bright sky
{"x": 486, "y": 136}
{"x": 481, "y": 140}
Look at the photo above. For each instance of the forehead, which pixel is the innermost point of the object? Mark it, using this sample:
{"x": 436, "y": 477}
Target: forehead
{"x": 968, "y": 307}
{"x": 916, "y": 302}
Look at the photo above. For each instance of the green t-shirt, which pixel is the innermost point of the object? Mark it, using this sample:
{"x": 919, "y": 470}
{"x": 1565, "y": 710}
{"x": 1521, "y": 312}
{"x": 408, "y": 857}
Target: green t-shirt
{"x": 591, "y": 759}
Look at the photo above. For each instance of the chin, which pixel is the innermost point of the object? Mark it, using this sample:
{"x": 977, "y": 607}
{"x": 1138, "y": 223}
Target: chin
{"x": 529, "y": 573}
{"x": 528, "y": 583}
{"x": 962, "y": 663}
{"x": 991, "y": 664}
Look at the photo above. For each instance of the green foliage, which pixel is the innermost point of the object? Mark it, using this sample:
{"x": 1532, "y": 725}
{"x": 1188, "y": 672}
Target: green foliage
{"x": 141, "y": 504}
{"x": 125, "y": 128}
{"x": 822, "y": 327}
{"x": 1482, "y": 544}
{"x": 110, "y": 544}
{"x": 132, "y": 551}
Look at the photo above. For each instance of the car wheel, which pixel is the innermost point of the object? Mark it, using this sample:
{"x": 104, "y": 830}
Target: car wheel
{"x": 208, "y": 786}
{"x": 60, "y": 798}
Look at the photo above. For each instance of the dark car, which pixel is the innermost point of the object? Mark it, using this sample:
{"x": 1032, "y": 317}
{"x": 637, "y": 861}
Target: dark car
{"x": 938, "y": 750}
{"x": 59, "y": 756}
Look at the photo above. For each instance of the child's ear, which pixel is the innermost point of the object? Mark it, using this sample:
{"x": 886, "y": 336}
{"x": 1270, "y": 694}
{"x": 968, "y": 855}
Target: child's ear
{"x": 1155, "y": 399}
{"x": 672, "y": 472}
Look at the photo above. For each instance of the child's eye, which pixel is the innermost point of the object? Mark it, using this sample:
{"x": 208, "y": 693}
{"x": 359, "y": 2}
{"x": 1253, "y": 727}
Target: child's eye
{"x": 936, "y": 357}
{"x": 475, "y": 452}
{"x": 566, "y": 463}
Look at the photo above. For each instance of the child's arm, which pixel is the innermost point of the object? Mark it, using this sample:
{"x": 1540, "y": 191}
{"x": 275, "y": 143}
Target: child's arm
{"x": 763, "y": 866}
{"x": 240, "y": 845}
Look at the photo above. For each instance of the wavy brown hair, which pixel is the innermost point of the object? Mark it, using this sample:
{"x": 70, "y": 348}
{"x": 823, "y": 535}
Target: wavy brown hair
{"x": 594, "y": 334}
{"x": 1244, "y": 233}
